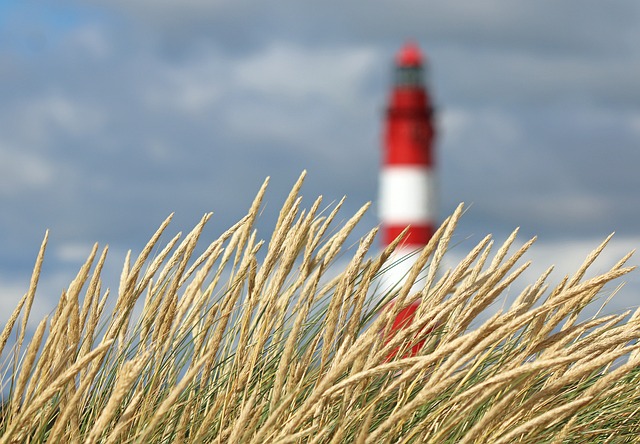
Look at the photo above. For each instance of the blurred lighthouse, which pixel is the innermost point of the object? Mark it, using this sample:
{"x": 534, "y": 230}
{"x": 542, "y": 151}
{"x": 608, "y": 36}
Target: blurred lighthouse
{"x": 407, "y": 195}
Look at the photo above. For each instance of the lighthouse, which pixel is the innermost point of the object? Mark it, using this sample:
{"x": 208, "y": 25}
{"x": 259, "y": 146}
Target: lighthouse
{"x": 407, "y": 194}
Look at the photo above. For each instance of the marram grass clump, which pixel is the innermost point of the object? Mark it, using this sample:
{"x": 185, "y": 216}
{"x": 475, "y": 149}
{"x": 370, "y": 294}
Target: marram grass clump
{"x": 227, "y": 348}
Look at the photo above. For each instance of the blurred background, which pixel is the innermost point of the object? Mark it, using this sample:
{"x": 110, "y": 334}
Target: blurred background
{"x": 113, "y": 114}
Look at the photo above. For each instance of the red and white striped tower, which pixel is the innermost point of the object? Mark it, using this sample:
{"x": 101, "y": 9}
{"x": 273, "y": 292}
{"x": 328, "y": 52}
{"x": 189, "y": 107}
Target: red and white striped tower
{"x": 407, "y": 195}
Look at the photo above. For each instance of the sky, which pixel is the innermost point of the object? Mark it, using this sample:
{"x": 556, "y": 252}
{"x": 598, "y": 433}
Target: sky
{"x": 114, "y": 114}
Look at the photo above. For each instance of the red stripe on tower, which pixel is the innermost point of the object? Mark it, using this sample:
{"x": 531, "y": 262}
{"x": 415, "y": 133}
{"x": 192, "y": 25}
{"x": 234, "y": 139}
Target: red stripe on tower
{"x": 407, "y": 195}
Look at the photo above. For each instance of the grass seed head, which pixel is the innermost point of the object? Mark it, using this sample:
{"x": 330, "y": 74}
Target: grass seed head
{"x": 233, "y": 346}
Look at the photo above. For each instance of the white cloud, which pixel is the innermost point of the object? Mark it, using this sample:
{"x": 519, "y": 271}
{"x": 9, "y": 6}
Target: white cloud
{"x": 12, "y": 290}
{"x": 36, "y": 117}
{"x": 73, "y": 252}
{"x": 10, "y": 294}
{"x": 298, "y": 73}
{"x": 481, "y": 141}
{"x": 91, "y": 40}
{"x": 188, "y": 87}
{"x": 634, "y": 123}
{"x": 22, "y": 172}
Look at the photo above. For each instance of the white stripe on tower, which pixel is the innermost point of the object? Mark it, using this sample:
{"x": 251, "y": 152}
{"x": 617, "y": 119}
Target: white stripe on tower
{"x": 407, "y": 195}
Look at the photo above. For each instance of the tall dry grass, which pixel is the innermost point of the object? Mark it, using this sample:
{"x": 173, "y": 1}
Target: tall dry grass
{"x": 226, "y": 348}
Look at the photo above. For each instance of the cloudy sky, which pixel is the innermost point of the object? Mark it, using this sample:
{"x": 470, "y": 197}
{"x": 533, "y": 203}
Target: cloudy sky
{"x": 115, "y": 113}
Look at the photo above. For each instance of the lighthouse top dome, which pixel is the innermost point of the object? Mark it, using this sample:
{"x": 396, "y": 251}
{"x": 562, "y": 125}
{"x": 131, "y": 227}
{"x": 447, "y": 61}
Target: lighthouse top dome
{"x": 409, "y": 55}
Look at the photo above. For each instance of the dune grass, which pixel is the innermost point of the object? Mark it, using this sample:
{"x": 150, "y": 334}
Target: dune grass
{"x": 229, "y": 348}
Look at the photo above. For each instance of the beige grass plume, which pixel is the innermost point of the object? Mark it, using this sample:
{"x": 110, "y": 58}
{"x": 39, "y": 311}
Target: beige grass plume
{"x": 279, "y": 341}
